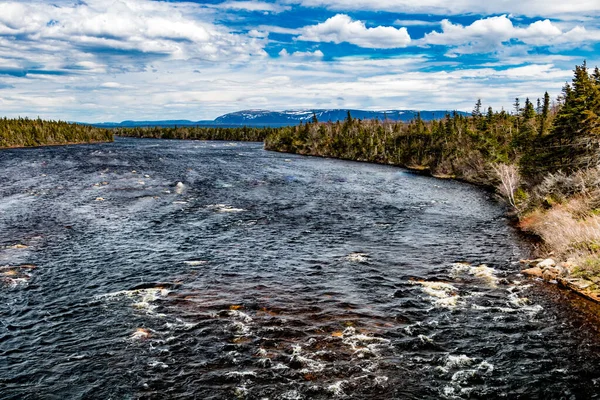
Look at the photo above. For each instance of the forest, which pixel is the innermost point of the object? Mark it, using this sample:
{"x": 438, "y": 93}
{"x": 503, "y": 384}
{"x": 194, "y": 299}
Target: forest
{"x": 245, "y": 134}
{"x": 543, "y": 157}
{"x": 24, "y": 132}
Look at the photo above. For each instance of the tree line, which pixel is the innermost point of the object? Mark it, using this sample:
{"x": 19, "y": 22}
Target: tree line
{"x": 24, "y": 132}
{"x": 536, "y": 138}
{"x": 245, "y": 134}
{"x": 543, "y": 157}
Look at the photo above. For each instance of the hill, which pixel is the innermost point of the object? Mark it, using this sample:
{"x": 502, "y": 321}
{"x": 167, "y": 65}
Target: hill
{"x": 262, "y": 118}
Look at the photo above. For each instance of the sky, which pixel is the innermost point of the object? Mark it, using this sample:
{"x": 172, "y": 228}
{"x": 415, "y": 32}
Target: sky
{"x": 104, "y": 60}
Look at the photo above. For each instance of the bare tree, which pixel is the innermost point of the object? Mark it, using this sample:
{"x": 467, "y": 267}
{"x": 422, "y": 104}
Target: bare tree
{"x": 509, "y": 182}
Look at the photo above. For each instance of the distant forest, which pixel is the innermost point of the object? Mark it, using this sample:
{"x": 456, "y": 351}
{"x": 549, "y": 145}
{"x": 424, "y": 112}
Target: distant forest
{"x": 24, "y": 132}
{"x": 245, "y": 134}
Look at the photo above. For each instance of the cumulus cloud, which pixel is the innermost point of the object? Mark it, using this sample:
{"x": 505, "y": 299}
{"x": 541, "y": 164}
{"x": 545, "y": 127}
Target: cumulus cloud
{"x": 140, "y": 59}
{"x": 489, "y": 34}
{"x": 289, "y": 82}
{"x": 341, "y": 28}
{"x": 136, "y": 31}
{"x": 302, "y": 54}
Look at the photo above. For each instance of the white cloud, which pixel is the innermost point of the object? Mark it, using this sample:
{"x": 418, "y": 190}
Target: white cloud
{"x": 489, "y": 34}
{"x": 172, "y": 60}
{"x": 253, "y": 6}
{"x": 279, "y": 29}
{"x": 531, "y": 8}
{"x": 341, "y": 28}
{"x": 415, "y": 22}
{"x": 135, "y": 31}
{"x": 302, "y": 54}
{"x": 112, "y": 85}
{"x": 291, "y": 82}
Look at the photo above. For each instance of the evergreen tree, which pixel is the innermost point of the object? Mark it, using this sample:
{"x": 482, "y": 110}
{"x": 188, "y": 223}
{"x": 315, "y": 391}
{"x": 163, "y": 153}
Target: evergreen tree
{"x": 545, "y": 115}
{"x": 573, "y": 141}
{"x": 477, "y": 110}
{"x": 528, "y": 110}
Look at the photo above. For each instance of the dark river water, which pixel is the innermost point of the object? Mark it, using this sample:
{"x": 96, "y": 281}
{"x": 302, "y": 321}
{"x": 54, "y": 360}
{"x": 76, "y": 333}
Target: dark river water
{"x": 147, "y": 269}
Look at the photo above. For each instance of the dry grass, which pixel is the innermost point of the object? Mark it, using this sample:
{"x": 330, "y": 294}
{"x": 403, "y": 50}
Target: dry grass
{"x": 569, "y": 230}
{"x": 565, "y": 213}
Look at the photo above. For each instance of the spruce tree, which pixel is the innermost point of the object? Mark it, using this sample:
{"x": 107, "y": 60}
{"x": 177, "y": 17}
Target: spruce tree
{"x": 545, "y": 114}
{"x": 477, "y": 110}
{"x": 528, "y": 110}
{"x": 574, "y": 139}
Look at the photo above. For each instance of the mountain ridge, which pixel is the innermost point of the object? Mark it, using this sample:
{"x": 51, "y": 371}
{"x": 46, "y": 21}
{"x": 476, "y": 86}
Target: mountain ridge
{"x": 257, "y": 117}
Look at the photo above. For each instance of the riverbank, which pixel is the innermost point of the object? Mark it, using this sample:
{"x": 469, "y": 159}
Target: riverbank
{"x": 24, "y": 132}
{"x": 329, "y": 278}
{"x": 560, "y": 209}
{"x": 55, "y": 144}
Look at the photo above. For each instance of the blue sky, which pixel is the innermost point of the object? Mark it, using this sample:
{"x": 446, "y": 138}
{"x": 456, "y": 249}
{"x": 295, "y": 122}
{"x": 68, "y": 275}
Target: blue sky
{"x": 103, "y": 60}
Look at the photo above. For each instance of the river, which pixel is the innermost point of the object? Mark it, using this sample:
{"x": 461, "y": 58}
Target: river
{"x": 211, "y": 270}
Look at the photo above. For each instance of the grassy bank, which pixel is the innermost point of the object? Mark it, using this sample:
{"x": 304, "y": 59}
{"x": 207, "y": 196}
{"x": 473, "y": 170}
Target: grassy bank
{"x": 542, "y": 159}
{"x": 24, "y": 132}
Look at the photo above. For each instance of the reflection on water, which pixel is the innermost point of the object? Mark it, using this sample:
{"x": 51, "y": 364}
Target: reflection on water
{"x": 174, "y": 269}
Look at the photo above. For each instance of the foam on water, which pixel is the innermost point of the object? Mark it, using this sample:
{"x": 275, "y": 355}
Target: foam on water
{"x": 458, "y": 361}
{"x": 291, "y": 395}
{"x": 483, "y": 272}
{"x": 158, "y": 364}
{"x": 308, "y": 364}
{"x": 337, "y": 389}
{"x": 142, "y": 299}
{"x": 363, "y": 344}
{"x": 224, "y": 208}
{"x": 194, "y": 263}
{"x": 306, "y": 294}
{"x": 442, "y": 294}
{"x": 358, "y": 257}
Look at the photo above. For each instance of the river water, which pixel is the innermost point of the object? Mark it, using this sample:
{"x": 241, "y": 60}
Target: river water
{"x": 210, "y": 270}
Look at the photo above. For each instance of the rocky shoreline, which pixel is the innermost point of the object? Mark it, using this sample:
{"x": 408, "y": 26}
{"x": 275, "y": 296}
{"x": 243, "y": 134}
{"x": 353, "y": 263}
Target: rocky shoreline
{"x": 559, "y": 273}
